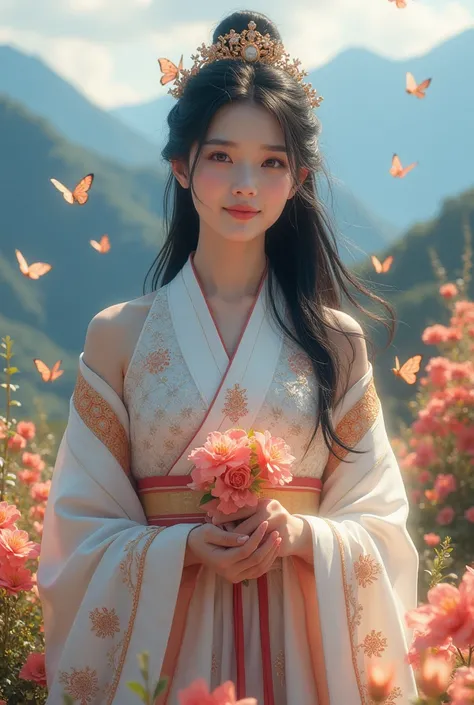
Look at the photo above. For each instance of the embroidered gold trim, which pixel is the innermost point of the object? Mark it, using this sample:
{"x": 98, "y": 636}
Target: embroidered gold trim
{"x": 152, "y": 534}
{"x": 353, "y": 426}
{"x": 235, "y": 406}
{"x": 354, "y": 620}
{"x": 102, "y": 420}
{"x": 105, "y": 622}
{"x": 366, "y": 570}
{"x": 374, "y": 644}
{"x": 81, "y": 685}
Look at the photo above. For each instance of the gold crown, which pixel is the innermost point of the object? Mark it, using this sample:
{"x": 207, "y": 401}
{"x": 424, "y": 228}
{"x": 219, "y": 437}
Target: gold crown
{"x": 248, "y": 45}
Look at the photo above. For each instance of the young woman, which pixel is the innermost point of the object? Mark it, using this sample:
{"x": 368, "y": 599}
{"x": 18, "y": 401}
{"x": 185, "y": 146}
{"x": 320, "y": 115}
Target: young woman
{"x": 294, "y": 599}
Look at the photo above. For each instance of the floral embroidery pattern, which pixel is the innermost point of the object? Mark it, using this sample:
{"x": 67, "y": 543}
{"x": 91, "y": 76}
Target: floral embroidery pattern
{"x": 366, "y": 570}
{"x": 105, "y": 622}
{"x": 300, "y": 364}
{"x": 81, "y": 685}
{"x": 235, "y": 403}
{"x": 102, "y": 420}
{"x": 157, "y": 360}
{"x": 279, "y": 666}
{"x": 374, "y": 644}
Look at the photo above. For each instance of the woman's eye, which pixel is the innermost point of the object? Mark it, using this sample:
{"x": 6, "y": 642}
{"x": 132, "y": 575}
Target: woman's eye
{"x": 279, "y": 162}
{"x": 218, "y": 154}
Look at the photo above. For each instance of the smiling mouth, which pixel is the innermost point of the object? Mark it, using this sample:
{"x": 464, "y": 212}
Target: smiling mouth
{"x": 241, "y": 214}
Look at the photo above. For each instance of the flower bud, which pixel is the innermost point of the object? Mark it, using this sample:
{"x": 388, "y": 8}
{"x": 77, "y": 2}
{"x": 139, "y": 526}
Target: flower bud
{"x": 380, "y": 681}
{"x": 435, "y": 675}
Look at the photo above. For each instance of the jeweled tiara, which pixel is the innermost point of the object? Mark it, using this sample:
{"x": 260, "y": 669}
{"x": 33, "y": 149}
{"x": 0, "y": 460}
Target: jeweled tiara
{"x": 248, "y": 45}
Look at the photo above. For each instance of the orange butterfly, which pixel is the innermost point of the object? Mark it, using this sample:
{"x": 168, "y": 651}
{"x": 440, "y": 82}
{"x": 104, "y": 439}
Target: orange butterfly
{"x": 397, "y": 170}
{"x": 381, "y": 267}
{"x": 400, "y": 3}
{"x": 169, "y": 70}
{"x": 413, "y": 88}
{"x": 32, "y": 271}
{"x": 103, "y": 246}
{"x": 79, "y": 194}
{"x": 48, "y": 375}
{"x": 409, "y": 368}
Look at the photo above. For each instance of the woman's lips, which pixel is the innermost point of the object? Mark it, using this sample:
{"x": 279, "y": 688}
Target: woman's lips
{"x": 241, "y": 215}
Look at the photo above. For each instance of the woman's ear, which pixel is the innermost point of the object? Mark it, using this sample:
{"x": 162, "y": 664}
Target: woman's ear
{"x": 303, "y": 173}
{"x": 180, "y": 170}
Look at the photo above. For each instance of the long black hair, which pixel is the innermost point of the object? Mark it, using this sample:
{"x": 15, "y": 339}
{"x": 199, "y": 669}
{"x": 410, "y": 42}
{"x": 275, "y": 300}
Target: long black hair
{"x": 301, "y": 246}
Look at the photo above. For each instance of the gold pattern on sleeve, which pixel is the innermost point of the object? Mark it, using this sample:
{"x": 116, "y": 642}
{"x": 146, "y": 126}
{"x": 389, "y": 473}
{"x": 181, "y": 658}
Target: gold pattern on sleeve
{"x": 235, "y": 406}
{"x": 101, "y": 419}
{"x": 300, "y": 364}
{"x": 366, "y": 570}
{"x": 105, "y": 622}
{"x": 157, "y": 360}
{"x": 374, "y": 644}
{"x": 353, "y": 426}
{"x": 82, "y": 685}
{"x": 279, "y": 666}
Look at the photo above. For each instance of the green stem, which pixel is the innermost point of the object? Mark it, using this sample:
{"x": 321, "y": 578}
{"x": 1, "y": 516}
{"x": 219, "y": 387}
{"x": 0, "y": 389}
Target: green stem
{"x": 6, "y": 626}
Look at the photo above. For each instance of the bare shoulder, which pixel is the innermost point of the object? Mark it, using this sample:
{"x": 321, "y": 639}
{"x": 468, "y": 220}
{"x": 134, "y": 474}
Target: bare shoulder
{"x": 345, "y": 333}
{"x": 111, "y": 338}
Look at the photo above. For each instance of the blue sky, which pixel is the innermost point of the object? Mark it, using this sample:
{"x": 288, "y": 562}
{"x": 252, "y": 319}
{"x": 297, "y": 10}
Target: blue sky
{"x": 108, "y": 48}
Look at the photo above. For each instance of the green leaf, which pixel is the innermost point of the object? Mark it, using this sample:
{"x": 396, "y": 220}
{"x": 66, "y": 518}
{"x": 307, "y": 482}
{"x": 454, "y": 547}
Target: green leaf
{"x": 12, "y": 370}
{"x": 143, "y": 664}
{"x": 160, "y": 687}
{"x": 207, "y": 497}
{"x": 138, "y": 689}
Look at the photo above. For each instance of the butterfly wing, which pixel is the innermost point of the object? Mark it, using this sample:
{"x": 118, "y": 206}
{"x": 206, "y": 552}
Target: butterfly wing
{"x": 411, "y": 83}
{"x": 80, "y": 194}
{"x": 422, "y": 87}
{"x": 169, "y": 70}
{"x": 104, "y": 243}
{"x": 67, "y": 194}
{"x": 376, "y": 263}
{"x": 407, "y": 169}
{"x": 22, "y": 262}
{"x": 43, "y": 369}
{"x": 409, "y": 369}
{"x": 387, "y": 263}
{"x": 38, "y": 269}
{"x": 396, "y": 167}
{"x": 401, "y": 4}
{"x": 55, "y": 371}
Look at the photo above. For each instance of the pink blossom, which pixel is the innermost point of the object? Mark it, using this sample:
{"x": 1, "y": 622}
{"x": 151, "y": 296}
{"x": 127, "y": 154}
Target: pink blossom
{"x": 461, "y": 690}
{"x": 425, "y": 454}
{"x": 9, "y": 514}
{"x": 465, "y": 440}
{"x": 198, "y": 694}
{"x": 219, "y": 452}
{"x": 380, "y": 680}
{"x": 435, "y": 674}
{"x": 433, "y": 335}
{"x": 274, "y": 458}
{"x": 445, "y": 516}
{"x": 439, "y": 371}
{"x": 27, "y": 429}
{"x": 16, "y": 442}
{"x": 33, "y": 461}
{"x": 415, "y": 496}
{"x": 16, "y": 546}
{"x": 29, "y": 477}
{"x": 432, "y": 539}
{"x": 40, "y": 491}
{"x": 34, "y": 669}
{"x": 37, "y": 511}
{"x": 448, "y": 291}
{"x": 444, "y": 485}
{"x": 469, "y": 514}
{"x": 231, "y": 498}
{"x": 424, "y": 477}
{"x": 448, "y": 614}
{"x": 14, "y": 578}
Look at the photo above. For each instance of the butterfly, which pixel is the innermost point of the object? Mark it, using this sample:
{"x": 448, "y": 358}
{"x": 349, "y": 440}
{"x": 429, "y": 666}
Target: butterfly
{"x": 79, "y": 194}
{"x": 169, "y": 70}
{"x": 397, "y": 170}
{"x": 400, "y": 3}
{"x": 381, "y": 267}
{"x": 409, "y": 368}
{"x": 103, "y": 246}
{"x": 48, "y": 375}
{"x": 413, "y": 88}
{"x": 32, "y": 271}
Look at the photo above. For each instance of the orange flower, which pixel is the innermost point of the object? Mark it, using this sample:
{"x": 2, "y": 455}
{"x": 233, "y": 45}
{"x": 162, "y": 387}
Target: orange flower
{"x": 27, "y": 429}
{"x": 380, "y": 681}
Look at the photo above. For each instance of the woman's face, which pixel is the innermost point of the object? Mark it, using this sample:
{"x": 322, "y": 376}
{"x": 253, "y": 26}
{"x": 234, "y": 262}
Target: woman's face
{"x": 243, "y": 163}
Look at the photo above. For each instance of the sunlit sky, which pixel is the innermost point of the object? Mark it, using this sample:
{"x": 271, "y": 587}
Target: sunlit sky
{"x": 108, "y": 48}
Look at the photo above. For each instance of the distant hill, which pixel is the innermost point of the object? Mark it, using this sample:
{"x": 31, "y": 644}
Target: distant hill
{"x": 367, "y": 116}
{"x": 29, "y": 81}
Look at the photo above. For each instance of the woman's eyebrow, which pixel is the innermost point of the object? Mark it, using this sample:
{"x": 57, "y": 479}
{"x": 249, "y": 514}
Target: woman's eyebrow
{"x": 230, "y": 143}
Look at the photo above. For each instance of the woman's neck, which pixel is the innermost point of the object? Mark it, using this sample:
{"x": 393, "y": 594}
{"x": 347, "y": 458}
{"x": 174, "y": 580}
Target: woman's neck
{"x": 230, "y": 270}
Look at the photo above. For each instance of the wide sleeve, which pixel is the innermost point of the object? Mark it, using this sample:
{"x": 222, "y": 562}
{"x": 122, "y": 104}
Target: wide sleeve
{"x": 103, "y": 572}
{"x": 365, "y": 564}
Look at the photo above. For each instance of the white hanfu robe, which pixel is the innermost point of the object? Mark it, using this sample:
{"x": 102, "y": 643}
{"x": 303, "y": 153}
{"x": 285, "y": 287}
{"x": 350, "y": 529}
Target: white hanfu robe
{"x": 111, "y": 576}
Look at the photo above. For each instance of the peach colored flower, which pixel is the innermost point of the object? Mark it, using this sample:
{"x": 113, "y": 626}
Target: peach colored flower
{"x": 380, "y": 680}
{"x": 445, "y": 516}
{"x": 461, "y": 690}
{"x": 198, "y": 694}
{"x": 439, "y": 371}
{"x": 14, "y": 578}
{"x": 37, "y": 511}
{"x": 27, "y": 429}
{"x": 9, "y": 514}
{"x": 274, "y": 458}
{"x": 448, "y": 291}
{"x": 469, "y": 514}
{"x": 40, "y": 491}
{"x": 425, "y": 454}
{"x": 38, "y": 527}
{"x": 433, "y": 335}
{"x": 448, "y": 614}
{"x": 16, "y": 442}
{"x": 444, "y": 485}
{"x": 431, "y": 495}
{"x": 29, "y": 477}
{"x": 408, "y": 462}
{"x": 424, "y": 477}
{"x": 33, "y": 461}
{"x": 16, "y": 546}
{"x": 434, "y": 676}
{"x": 231, "y": 498}
{"x": 34, "y": 669}
{"x": 432, "y": 539}
{"x": 219, "y": 452}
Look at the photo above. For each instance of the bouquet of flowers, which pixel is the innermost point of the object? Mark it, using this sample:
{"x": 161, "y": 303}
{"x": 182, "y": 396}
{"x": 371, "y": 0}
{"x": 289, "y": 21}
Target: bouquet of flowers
{"x": 233, "y": 468}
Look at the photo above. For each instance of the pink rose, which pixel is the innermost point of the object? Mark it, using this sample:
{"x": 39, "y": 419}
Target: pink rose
{"x": 445, "y": 516}
{"x": 469, "y": 514}
{"x": 274, "y": 458}
{"x": 444, "y": 485}
{"x": 32, "y": 461}
{"x": 34, "y": 669}
{"x": 9, "y": 514}
{"x": 425, "y": 454}
{"x": 27, "y": 429}
{"x": 232, "y": 499}
{"x": 432, "y": 539}
{"x": 220, "y": 452}
{"x": 239, "y": 478}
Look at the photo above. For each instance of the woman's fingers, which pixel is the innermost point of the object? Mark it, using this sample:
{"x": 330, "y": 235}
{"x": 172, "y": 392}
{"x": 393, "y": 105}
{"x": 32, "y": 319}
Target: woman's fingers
{"x": 247, "y": 526}
{"x": 264, "y": 566}
{"x": 221, "y": 518}
{"x": 259, "y": 555}
{"x": 218, "y": 537}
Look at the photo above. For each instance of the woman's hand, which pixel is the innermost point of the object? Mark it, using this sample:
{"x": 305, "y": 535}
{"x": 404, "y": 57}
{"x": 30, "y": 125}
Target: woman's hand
{"x": 229, "y": 556}
{"x": 292, "y": 529}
